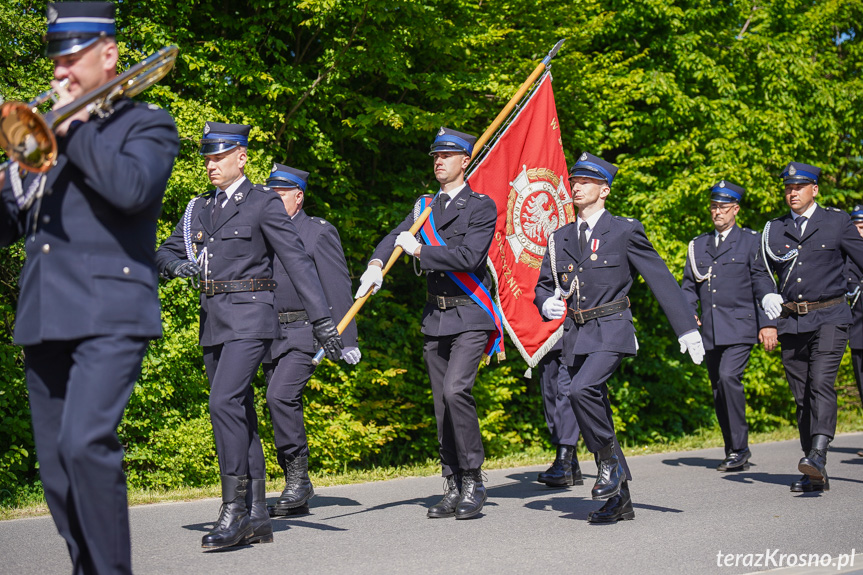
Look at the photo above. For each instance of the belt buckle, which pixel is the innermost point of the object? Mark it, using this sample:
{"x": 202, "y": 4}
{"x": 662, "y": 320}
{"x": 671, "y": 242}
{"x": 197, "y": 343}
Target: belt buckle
{"x": 579, "y": 317}
{"x": 441, "y": 302}
{"x": 209, "y": 288}
{"x": 803, "y": 308}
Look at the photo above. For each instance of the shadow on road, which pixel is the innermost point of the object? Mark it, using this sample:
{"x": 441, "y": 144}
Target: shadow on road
{"x": 693, "y": 462}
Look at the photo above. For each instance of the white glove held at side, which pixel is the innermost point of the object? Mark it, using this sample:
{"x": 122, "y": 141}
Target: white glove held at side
{"x": 351, "y": 355}
{"x": 692, "y": 343}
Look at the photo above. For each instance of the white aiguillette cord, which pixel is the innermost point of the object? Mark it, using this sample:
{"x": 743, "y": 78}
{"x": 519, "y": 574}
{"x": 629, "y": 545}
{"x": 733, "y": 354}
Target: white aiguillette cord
{"x": 202, "y": 258}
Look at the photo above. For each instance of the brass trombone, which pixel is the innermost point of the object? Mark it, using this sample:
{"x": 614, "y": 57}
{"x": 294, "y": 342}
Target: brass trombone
{"x": 27, "y": 136}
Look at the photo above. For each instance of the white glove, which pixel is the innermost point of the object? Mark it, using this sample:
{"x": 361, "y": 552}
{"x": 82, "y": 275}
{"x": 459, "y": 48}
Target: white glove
{"x": 407, "y": 242}
{"x": 351, "y": 355}
{"x": 691, "y": 342}
{"x": 554, "y": 307}
{"x": 372, "y": 279}
{"x": 772, "y": 305}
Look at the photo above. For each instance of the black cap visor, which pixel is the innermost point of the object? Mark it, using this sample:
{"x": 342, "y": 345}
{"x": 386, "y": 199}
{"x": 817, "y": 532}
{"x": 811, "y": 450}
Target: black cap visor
{"x": 210, "y": 147}
{"x": 63, "y": 45}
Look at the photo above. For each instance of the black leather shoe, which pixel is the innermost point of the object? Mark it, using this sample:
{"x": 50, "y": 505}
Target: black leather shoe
{"x": 807, "y": 485}
{"x": 302, "y": 510}
{"x": 736, "y": 461}
{"x": 564, "y": 471}
{"x": 473, "y": 495}
{"x": 233, "y": 525}
{"x": 618, "y": 508}
{"x": 814, "y": 464}
{"x": 609, "y": 476}
{"x": 451, "y": 496}
{"x": 860, "y": 453}
{"x": 259, "y": 516}
{"x": 298, "y": 487}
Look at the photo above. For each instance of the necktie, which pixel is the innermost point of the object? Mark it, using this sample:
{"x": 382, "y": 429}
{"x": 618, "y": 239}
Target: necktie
{"x": 719, "y": 239}
{"x": 443, "y": 199}
{"x": 582, "y": 237}
{"x": 217, "y": 208}
{"x": 799, "y": 222}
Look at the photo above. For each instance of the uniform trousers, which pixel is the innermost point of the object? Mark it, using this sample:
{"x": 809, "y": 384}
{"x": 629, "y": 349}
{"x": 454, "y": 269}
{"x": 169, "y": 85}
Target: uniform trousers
{"x": 231, "y": 366}
{"x": 811, "y": 362}
{"x": 588, "y": 392}
{"x": 857, "y": 364}
{"x": 452, "y": 363}
{"x": 286, "y": 379}
{"x": 725, "y": 366}
{"x": 78, "y": 390}
{"x": 559, "y": 416}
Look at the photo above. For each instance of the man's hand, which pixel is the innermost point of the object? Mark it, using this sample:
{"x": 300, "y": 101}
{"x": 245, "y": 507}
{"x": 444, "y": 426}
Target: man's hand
{"x": 691, "y": 342}
{"x": 372, "y": 279}
{"x": 554, "y": 307}
{"x": 698, "y": 321}
{"x": 772, "y": 305}
{"x": 182, "y": 269}
{"x": 768, "y": 336}
{"x": 328, "y": 336}
{"x": 408, "y": 243}
{"x": 351, "y": 355}
{"x": 63, "y": 98}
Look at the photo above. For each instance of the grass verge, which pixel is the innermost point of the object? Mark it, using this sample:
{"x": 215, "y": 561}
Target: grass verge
{"x": 31, "y": 503}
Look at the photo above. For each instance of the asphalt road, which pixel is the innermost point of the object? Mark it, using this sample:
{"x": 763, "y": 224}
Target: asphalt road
{"x": 689, "y": 519}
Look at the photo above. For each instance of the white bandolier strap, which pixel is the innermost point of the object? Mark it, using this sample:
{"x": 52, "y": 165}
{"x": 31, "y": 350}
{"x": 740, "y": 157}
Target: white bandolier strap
{"x": 201, "y": 259}
{"x": 573, "y": 287}
{"x": 417, "y": 211}
{"x": 766, "y": 253}
{"x": 699, "y": 277}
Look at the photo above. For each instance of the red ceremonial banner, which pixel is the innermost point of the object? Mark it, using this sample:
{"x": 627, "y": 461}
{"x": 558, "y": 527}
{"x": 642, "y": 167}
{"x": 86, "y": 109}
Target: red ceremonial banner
{"x": 525, "y": 173}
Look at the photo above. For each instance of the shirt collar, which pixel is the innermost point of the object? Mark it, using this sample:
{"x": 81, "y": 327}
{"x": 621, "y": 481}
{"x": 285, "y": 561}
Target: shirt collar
{"x": 233, "y": 187}
{"x": 591, "y": 221}
{"x": 807, "y": 214}
{"x": 724, "y": 234}
{"x": 456, "y": 191}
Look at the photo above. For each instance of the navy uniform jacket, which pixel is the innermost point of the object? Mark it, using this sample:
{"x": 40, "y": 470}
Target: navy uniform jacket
{"x": 90, "y": 267}
{"x": 730, "y": 314}
{"x": 252, "y": 227}
{"x": 467, "y": 228}
{"x": 818, "y": 273}
{"x": 623, "y": 249}
{"x": 321, "y": 240}
{"x": 855, "y": 282}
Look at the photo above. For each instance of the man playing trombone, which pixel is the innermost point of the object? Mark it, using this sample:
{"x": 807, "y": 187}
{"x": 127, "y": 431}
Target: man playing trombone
{"x": 90, "y": 228}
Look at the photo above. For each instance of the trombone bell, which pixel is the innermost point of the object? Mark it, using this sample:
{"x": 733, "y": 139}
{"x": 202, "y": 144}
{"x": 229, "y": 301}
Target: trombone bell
{"x": 26, "y": 138}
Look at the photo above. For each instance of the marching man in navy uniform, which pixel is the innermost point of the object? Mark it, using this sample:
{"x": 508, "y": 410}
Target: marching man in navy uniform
{"x": 855, "y": 337}
{"x": 458, "y": 330}
{"x": 718, "y": 274}
{"x": 806, "y": 249}
{"x": 229, "y": 236}
{"x": 586, "y": 275}
{"x": 560, "y": 420}
{"x": 90, "y": 254}
{"x": 288, "y": 364}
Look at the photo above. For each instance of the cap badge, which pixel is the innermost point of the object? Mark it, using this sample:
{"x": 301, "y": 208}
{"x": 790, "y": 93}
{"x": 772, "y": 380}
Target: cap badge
{"x": 206, "y": 128}
{"x": 274, "y": 169}
{"x": 792, "y": 170}
{"x": 52, "y": 14}
{"x": 441, "y": 132}
{"x": 722, "y": 184}
{"x": 583, "y": 157}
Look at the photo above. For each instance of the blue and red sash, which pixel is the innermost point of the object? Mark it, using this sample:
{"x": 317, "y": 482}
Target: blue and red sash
{"x": 468, "y": 282}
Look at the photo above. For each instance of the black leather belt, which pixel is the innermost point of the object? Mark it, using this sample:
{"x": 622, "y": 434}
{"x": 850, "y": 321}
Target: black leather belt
{"x": 214, "y": 287}
{"x": 582, "y": 315}
{"x": 443, "y": 302}
{"x": 804, "y": 307}
{"x": 292, "y": 316}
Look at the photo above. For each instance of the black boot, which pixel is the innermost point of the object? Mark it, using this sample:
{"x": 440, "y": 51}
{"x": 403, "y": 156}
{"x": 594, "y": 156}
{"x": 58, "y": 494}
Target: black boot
{"x": 298, "y": 487}
{"x": 233, "y": 525}
{"x": 564, "y": 471}
{"x": 451, "y": 495}
{"x": 807, "y": 484}
{"x": 259, "y": 517}
{"x": 609, "y": 476}
{"x": 473, "y": 494}
{"x": 617, "y": 508}
{"x": 814, "y": 464}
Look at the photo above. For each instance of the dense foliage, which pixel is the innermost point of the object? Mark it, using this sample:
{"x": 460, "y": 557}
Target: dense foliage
{"x": 678, "y": 94}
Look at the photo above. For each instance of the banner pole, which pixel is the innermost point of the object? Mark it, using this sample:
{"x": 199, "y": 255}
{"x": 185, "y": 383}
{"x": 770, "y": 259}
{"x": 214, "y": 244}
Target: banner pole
{"x": 415, "y": 228}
